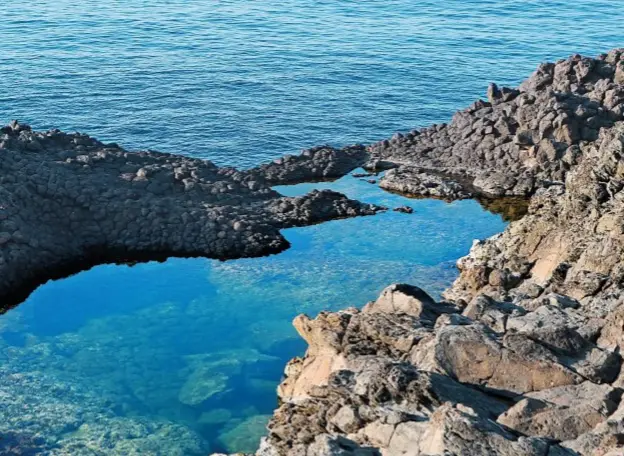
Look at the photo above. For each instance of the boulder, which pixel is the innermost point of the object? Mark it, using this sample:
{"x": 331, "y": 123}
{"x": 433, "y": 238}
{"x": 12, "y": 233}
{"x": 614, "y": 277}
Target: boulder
{"x": 410, "y": 300}
{"x": 562, "y": 413}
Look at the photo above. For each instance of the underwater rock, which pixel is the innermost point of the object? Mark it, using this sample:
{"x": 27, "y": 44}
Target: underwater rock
{"x": 215, "y": 416}
{"x": 243, "y": 435}
{"x": 202, "y": 385}
{"x": 210, "y": 373}
{"x": 58, "y": 418}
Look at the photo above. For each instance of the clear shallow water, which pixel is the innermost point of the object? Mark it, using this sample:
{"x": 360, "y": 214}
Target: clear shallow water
{"x": 183, "y": 357}
{"x": 243, "y": 81}
{"x": 196, "y": 348}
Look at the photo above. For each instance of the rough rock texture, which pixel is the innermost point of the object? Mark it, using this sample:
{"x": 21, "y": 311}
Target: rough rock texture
{"x": 318, "y": 163}
{"x": 68, "y": 201}
{"x": 519, "y": 140}
{"x": 524, "y": 355}
{"x": 413, "y": 181}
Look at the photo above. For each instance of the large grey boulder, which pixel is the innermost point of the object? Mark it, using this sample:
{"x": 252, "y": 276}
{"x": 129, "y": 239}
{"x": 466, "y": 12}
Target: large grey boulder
{"x": 562, "y": 413}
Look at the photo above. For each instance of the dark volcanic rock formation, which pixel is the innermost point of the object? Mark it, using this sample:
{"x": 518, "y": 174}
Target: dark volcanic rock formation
{"x": 316, "y": 164}
{"x": 519, "y": 140}
{"x": 524, "y": 355}
{"x": 68, "y": 201}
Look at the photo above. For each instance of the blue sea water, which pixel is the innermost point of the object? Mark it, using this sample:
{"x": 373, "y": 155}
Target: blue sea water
{"x": 183, "y": 357}
{"x": 240, "y": 81}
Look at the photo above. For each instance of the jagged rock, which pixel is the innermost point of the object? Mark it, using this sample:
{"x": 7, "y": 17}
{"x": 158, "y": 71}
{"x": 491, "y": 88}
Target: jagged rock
{"x": 410, "y": 300}
{"x": 326, "y": 445}
{"x": 604, "y": 440}
{"x": 404, "y": 209}
{"x": 518, "y": 139}
{"x": 471, "y": 354}
{"x": 418, "y": 182}
{"x": 554, "y": 329}
{"x": 68, "y": 202}
{"x": 562, "y": 413}
{"x": 612, "y": 334}
{"x": 458, "y": 430}
{"x": 324, "y": 336}
{"x": 324, "y": 162}
{"x": 491, "y": 312}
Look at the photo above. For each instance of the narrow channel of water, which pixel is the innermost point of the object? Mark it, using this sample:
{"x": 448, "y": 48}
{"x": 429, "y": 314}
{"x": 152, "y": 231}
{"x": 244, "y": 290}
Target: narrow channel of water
{"x": 183, "y": 357}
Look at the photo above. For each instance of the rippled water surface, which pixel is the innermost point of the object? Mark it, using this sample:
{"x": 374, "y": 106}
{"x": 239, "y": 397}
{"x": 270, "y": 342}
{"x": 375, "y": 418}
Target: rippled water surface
{"x": 242, "y": 81}
{"x": 182, "y": 358}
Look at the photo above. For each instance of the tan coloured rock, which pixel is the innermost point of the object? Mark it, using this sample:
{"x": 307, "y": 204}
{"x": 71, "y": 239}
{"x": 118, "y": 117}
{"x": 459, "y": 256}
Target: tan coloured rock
{"x": 323, "y": 357}
{"x": 612, "y": 334}
{"x": 410, "y": 300}
{"x": 458, "y": 430}
{"x": 606, "y": 439}
{"x": 562, "y": 413}
{"x": 472, "y": 355}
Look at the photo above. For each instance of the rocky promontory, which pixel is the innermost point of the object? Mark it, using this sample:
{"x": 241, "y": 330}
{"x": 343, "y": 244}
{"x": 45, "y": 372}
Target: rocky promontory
{"x": 69, "y": 201}
{"x": 523, "y": 355}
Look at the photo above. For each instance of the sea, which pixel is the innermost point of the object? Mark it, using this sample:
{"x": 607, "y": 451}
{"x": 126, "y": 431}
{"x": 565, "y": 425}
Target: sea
{"x": 183, "y": 357}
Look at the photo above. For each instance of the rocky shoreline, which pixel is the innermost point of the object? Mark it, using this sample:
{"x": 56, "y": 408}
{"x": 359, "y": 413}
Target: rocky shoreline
{"x": 69, "y": 202}
{"x": 524, "y": 355}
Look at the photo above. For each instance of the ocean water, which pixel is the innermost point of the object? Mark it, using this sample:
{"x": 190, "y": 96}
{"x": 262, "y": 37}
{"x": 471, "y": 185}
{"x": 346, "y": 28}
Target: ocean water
{"x": 240, "y": 81}
{"x": 183, "y": 357}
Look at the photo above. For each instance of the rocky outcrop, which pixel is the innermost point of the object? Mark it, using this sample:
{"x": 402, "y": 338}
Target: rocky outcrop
{"x": 409, "y": 376}
{"x": 315, "y": 164}
{"x": 68, "y": 201}
{"x": 523, "y": 357}
{"x": 518, "y": 140}
{"x": 422, "y": 183}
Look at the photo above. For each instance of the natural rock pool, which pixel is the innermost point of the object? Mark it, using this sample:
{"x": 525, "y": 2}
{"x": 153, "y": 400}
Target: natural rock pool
{"x": 183, "y": 357}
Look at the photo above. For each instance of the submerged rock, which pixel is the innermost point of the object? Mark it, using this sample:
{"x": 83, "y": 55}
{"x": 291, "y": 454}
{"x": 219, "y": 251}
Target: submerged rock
{"x": 210, "y": 373}
{"x": 204, "y": 383}
{"x": 45, "y": 415}
{"x": 243, "y": 435}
